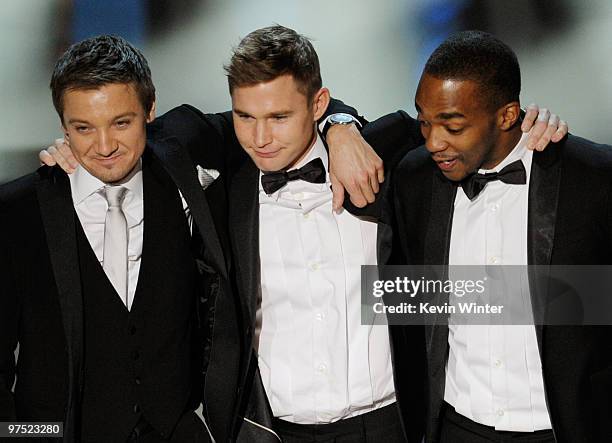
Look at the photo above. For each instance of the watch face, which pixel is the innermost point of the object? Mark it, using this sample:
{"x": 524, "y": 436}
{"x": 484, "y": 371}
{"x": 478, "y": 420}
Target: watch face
{"x": 342, "y": 119}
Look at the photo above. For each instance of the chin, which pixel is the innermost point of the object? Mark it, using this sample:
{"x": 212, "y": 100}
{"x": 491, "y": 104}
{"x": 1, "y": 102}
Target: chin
{"x": 455, "y": 176}
{"x": 110, "y": 175}
{"x": 269, "y": 164}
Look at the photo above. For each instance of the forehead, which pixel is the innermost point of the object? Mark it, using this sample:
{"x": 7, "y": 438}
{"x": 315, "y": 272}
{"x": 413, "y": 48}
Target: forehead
{"x": 437, "y": 98}
{"x": 106, "y": 99}
{"x": 280, "y": 93}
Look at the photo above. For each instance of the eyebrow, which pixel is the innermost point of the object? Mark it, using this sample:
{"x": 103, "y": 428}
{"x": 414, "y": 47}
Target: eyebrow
{"x": 120, "y": 116}
{"x": 449, "y": 115}
{"x": 127, "y": 114}
{"x": 271, "y": 114}
{"x": 442, "y": 115}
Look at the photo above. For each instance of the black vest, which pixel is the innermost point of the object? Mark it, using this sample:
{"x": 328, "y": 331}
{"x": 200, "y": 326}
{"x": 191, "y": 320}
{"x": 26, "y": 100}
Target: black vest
{"x": 142, "y": 362}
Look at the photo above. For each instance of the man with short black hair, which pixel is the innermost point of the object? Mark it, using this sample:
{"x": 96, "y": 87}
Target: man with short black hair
{"x": 475, "y": 195}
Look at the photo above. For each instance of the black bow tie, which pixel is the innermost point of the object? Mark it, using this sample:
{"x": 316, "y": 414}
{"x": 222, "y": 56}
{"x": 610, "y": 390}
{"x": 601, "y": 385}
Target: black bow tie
{"x": 513, "y": 174}
{"x": 313, "y": 172}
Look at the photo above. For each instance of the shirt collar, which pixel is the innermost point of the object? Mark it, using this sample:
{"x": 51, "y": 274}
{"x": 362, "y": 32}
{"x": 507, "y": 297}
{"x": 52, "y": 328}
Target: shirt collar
{"x": 83, "y": 184}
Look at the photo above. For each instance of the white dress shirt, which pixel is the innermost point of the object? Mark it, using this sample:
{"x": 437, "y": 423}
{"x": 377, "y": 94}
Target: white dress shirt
{"x": 317, "y": 362}
{"x": 91, "y": 206}
{"x": 494, "y": 372}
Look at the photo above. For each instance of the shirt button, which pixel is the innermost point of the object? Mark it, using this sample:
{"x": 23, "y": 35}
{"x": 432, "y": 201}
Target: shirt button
{"x": 322, "y": 368}
{"x": 494, "y": 208}
{"x": 135, "y": 355}
{"x": 320, "y": 316}
{"x": 494, "y": 260}
{"x": 306, "y": 215}
{"x": 137, "y": 380}
{"x": 500, "y": 412}
{"x": 298, "y": 195}
{"x": 136, "y": 408}
{"x": 314, "y": 266}
{"x": 497, "y": 363}
{"x": 132, "y": 330}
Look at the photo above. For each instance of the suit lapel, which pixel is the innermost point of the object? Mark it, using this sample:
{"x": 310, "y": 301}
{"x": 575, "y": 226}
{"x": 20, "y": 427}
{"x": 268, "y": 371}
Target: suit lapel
{"x": 542, "y": 213}
{"x": 437, "y": 236}
{"x": 437, "y": 241}
{"x": 59, "y": 221}
{"x": 244, "y": 220}
{"x": 180, "y": 167}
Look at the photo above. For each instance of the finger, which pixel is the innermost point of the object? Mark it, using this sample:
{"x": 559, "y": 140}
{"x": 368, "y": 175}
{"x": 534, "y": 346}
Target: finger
{"x": 381, "y": 175}
{"x": 380, "y": 170}
{"x": 373, "y": 178}
{"x": 356, "y": 193}
{"x": 553, "y": 124}
{"x": 46, "y": 158}
{"x": 337, "y": 192}
{"x": 59, "y": 159}
{"x": 366, "y": 189}
{"x": 550, "y": 130}
{"x": 544, "y": 115}
{"x": 538, "y": 129}
{"x": 561, "y": 132}
{"x": 66, "y": 152}
{"x": 531, "y": 113}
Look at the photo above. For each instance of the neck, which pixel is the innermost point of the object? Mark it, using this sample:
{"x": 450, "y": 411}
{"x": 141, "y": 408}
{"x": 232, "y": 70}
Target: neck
{"x": 505, "y": 144}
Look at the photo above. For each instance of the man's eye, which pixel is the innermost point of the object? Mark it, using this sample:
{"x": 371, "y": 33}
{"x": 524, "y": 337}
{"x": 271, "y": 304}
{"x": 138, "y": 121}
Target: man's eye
{"x": 244, "y": 117}
{"x": 280, "y": 117}
{"x": 123, "y": 123}
{"x": 81, "y": 128}
{"x": 423, "y": 123}
{"x": 454, "y": 131}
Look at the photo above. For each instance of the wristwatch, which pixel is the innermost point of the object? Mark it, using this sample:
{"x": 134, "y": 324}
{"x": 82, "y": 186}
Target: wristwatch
{"x": 338, "y": 119}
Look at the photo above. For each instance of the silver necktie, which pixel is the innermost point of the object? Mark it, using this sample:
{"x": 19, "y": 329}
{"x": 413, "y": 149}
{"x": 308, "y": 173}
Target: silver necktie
{"x": 115, "y": 242}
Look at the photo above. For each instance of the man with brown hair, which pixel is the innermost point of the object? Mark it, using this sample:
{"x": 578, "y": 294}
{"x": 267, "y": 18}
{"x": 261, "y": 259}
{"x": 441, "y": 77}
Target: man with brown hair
{"x": 100, "y": 282}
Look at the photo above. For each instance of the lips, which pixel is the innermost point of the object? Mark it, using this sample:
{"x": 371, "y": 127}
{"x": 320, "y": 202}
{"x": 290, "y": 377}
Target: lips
{"x": 268, "y": 154}
{"x": 446, "y": 163}
{"x": 109, "y": 160}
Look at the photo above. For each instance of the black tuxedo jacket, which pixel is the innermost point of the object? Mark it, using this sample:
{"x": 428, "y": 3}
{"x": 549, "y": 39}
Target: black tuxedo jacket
{"x": 244, "y": 416}
{"x": 569, "y": 222}
{"x": 41, "y": 305}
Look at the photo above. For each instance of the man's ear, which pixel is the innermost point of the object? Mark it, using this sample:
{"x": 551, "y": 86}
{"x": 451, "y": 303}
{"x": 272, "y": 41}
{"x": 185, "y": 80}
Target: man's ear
{"x": 65, "y": 132}
{"x": 320, "y": 102}
{"x": 151, "y": 115}
{"x": 508, "y": 115}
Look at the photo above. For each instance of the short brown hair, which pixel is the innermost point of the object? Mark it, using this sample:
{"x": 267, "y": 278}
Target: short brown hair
{"x": 270, "y": 52}
{"x": 99, "y": 61}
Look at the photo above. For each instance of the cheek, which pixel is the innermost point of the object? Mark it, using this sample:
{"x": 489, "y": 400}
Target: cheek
{"x": 474, "y": 153}
{"x": 81, "y": 145}
{"x": 242, "y": 133}
{"x": 133, "y": 140}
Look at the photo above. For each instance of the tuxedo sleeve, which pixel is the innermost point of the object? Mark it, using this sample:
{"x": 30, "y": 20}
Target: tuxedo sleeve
{"x": 392, "y": 137}
{"x": 209, "y": 138}
{"x": 9, "y": 315}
